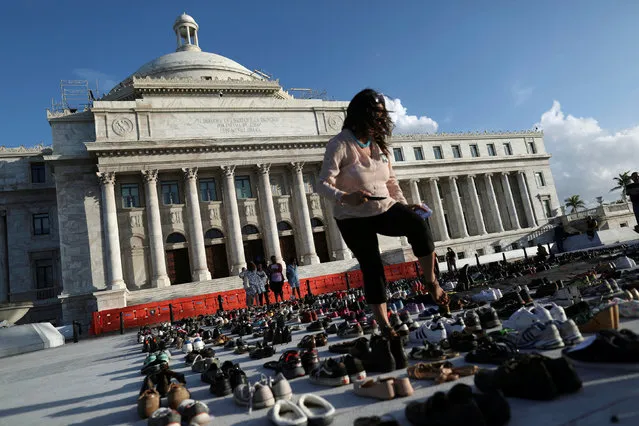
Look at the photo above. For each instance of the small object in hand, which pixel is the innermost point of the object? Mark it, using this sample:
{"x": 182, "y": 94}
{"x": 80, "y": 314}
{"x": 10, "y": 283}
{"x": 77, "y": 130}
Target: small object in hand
{"x": 423, "y": 211}
{"x": 373, "y": 198}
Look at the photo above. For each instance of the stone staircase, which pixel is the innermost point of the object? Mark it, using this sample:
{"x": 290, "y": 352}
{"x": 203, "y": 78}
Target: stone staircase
{"x": 229, "y": 283}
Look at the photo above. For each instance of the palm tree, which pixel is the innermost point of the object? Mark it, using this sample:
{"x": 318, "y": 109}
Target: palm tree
{"x": 622, "y": 181}
{"x": 575, "y": 203}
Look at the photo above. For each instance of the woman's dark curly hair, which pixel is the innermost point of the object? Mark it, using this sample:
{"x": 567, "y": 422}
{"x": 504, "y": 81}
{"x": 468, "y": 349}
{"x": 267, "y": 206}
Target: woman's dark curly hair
{"x": 365, "y": 121}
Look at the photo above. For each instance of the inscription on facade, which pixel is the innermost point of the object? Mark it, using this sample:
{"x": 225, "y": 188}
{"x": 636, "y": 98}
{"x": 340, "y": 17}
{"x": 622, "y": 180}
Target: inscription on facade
{"x": 237, "y": 125}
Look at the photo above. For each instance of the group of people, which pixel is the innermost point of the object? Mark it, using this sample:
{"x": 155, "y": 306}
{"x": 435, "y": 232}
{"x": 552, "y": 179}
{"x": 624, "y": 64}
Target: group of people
{"x": 258, "y": 283}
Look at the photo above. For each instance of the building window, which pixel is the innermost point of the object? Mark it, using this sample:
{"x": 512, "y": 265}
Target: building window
{"x": 539, "y": 178}
{"x": 514, "y": 246}
{"x": 45, "y": 281}
{"x": 130, "y": 195}
{"x": 491, "y": 149}
{"x": 175, "y": 238}
{"x": 277, "y": 185}
{"x": 474, "y": 150}
{"x": 38, "y": 173}
{"x": 170, "y": 193}
{"x": 316, "y": 223}
{"x": 437, "y": 151}
{"x": 208, "y": 191}
{"x": 441, "y": 259}
{"x": 547, "y": 208}
{"x": 284, "y": 226}
{"x": 243, "y": 187}
{"x": 41, "y": 224}
{"x": 399, "y": 154}
{"x": 508, "y": 150}
{"x": 497, "y": 249}
{"x": 623, "y": 225}
{"x": 532, "y": 149}
{"x": 456, "y": 151}
{"x": 480, "y": 252}
{"x": 419, "y": 154}
{"x": 213, "y": 234}
{"x": 309, "y": 183}
{"x": 250, "y": 230}
{"x": 461, "y": 255}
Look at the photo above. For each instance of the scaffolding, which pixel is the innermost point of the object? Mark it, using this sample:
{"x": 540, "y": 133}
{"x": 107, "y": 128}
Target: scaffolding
{"x": 75, "y": 95}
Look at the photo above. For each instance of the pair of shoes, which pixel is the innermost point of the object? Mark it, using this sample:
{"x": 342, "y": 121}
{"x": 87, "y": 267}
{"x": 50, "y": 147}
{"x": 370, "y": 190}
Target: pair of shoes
{"x": 330, "y": 373}
{"x": 262, "y": 351}
{"x": 194, "y": 412}
{"x": 460, "y": 407}
{"x": 531, "y": 376}
{"x": 385, "y": 355}
{"x": 431, "y": 331}
{"x": 386, "y": 420}
{"x": 307, "y": 342}
{"x": 463, "y": 341}
{"x": 310, "y": 409}
{"x": 352, "y": 329}
{"x": 383, "y": 388}
{"x": 608, "y": 348}
{"x": 256, "y": 396}
{"x": 430, "y": 352}
{"x": 491, "y": 351}
{"x": 440, "y": 372}
{"x": 289, "y": 364}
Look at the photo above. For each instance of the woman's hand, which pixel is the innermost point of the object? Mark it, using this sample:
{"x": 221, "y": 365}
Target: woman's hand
{"x": 355, "y": 198}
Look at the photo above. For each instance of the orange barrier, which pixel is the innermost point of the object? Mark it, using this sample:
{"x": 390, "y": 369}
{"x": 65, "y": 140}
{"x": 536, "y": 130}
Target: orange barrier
{"x": 156, "y": 312}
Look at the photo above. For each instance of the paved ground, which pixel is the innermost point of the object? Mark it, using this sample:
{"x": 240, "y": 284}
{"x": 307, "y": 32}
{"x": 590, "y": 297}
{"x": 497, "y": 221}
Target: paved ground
{"x": 96, "y": 382}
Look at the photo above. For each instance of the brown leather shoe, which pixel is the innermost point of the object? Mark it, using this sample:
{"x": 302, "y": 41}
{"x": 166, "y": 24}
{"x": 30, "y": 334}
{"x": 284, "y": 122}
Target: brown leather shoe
{"x": 402, "y": 387}
{"x": 321, "y": 339}
{"x": 148, "y": 402}
{"x": 382, "y": 389}
{"x": 177, "y": 393}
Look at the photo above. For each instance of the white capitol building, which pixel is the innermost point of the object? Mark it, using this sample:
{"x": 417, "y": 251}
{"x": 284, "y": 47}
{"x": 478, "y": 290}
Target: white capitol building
{"x": 202, "y": 165}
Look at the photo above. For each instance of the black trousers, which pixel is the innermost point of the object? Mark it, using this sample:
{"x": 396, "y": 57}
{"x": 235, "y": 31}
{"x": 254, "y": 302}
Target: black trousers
{"x": 360, "y": 235}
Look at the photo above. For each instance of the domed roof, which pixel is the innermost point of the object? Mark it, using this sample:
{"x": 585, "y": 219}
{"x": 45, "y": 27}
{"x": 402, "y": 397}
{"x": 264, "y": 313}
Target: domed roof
{"x": 195, "y": 64}
{"x": 184, "y": 19}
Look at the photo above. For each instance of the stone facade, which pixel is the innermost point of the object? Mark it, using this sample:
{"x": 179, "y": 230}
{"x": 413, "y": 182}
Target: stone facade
{"x": 202, "y": 165}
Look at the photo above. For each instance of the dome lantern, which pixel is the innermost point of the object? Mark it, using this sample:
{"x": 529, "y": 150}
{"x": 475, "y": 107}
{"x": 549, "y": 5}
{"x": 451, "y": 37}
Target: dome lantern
{"x": 186, "y": 29}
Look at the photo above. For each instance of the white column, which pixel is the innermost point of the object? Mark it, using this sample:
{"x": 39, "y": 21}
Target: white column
{"x": 339, "y": 249}
{"x": 4, "y": 267}
{"x": 414, "y": 191}
{"x": 510, "y": 201}
{"x": 525, "y": 197}
{"x": 492, "y": 203}
{"x": 199, "y": 270}
{"x": 271, "y": 235}
{"x": 188, "y": 34}
{"x": 458, "y": 210}
{"x": 438, "y": 210}
{"x": 234, "y": 231}
{"x": 111, "y": 231}
{"x": 309, "y": 256}
{"x": 476, "y": 206}
{"x": 156, "y": 240}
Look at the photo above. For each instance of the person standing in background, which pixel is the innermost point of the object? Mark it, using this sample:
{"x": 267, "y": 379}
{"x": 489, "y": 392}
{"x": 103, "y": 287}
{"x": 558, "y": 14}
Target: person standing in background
{"x": 451, "y": 259}
{"x": 248, "y": 290}
{"x": 292, "y": 277}
{"x": 276, "y": 277}
{"x": 263, "y": 294}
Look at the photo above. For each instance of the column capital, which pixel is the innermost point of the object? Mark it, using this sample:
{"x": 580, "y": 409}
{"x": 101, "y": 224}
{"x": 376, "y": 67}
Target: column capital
{"x": 471, "y": 176}
{"x": 263, "y": 169}
{"x": 106, "y": 178}
{"x": 521, "y": 172}
{"x": 189, "y": 173}
{"x": 504, "y": 173}
{"x": 488, "y": 175}
{"x": 150, "y": 176}
{"x": 229, "y": 171}
{"x": 433, "y": 179}
{"x": 297, "y": 167}
{"x": 413, "y": 180}
{"x": 452, "y": 177}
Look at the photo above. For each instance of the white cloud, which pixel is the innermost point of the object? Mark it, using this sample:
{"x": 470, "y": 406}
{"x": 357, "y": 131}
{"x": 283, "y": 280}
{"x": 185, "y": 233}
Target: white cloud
{"x": 520, "y": 94}
{"x": 105, "y": 81}
{"x": 405, "y": 123}
{"x": 585, "y": 157}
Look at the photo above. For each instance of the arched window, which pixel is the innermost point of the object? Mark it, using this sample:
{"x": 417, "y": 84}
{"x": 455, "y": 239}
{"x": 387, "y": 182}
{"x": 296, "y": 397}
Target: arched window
{"x": 284, "y": 226}
{"x": 212, "y": 234}
{"x": 175, "y": 237}
{"x": 315, "y": 222}
{"x": 250, "y": 230}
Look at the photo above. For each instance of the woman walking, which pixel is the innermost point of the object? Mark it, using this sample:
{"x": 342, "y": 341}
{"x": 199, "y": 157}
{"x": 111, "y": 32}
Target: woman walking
{"x": 358, "y": 177}
{"x": 293, "y": 279}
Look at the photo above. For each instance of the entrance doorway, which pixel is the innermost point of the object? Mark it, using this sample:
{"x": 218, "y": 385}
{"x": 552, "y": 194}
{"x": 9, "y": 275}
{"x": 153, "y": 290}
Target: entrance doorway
{"x": 321, "y": 247}
{"x": 177, "y": 265}
{"x": 254, "y": 252}
{"x": 216, "y": 261}
{"x": 287, "y": 245}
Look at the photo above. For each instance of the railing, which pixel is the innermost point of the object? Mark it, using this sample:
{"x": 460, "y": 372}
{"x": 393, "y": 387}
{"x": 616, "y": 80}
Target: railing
{"x": 582, "y": 214}
{"x": 163, "y": 311}
{"x": 611, "y": 208}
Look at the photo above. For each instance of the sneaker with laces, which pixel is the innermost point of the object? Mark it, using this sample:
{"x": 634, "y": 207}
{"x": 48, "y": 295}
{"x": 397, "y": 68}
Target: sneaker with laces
{"x": 281, "y": 388}
{"x": 435, "y": 332}
{"x": 453, "y": 325}
{"x": 569, "y": 332}
{"x": 351, "y": 330}
{"x": 471, "y": 320}
{"x": 310, "y": 360}
{"x": 330, "y": 373}
{"x": 520, "y": 320}
{"x": 194, "y": 412}
{"x": 488, "y": 317}
{"x": 539, "y": 336}
{"x": 557, "y": 312}
{"x": 491, "y": 351}
{"x": 354, "y": 368}
{"x": 542, "y": 314}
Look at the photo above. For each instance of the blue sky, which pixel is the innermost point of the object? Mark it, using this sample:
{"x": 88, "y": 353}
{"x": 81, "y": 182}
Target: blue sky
{"x": 465, "y": 65}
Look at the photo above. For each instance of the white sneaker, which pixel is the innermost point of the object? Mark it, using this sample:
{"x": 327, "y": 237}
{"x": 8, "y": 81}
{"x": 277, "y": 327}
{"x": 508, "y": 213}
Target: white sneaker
{"x": 542, "y": 314}
{"x": 486, "y": 295}
{"x": 419, "y": 335}
{"x": 436, "y": 332}
{"x": 498, "y": 293}
{"x": 569, "y": 332}
{"x": 187, "y": 347}
{"x": 520, "y": 320}
{"x": 198, "y": 344}
{"x": 451, "y": 325}
{"x": 557, "y": 313}
{"x": 540, "y": 336}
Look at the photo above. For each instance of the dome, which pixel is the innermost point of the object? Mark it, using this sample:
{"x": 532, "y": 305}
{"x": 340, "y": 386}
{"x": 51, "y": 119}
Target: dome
{"x": 184, "y": 19}
{"x": 197, "y": 65}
